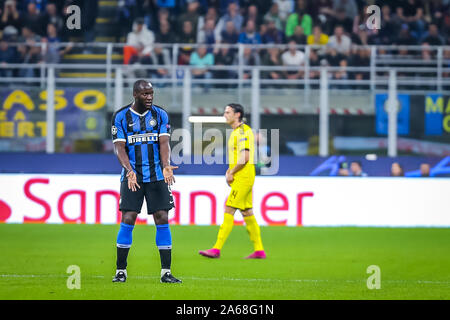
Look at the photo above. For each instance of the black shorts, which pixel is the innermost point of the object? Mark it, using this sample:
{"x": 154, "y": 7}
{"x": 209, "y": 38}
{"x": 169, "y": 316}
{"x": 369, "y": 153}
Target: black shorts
{"x": 158, "y": 196}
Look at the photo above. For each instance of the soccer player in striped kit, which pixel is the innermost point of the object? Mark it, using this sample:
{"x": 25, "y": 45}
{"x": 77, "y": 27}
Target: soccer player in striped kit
{"x": 140, "y": 133}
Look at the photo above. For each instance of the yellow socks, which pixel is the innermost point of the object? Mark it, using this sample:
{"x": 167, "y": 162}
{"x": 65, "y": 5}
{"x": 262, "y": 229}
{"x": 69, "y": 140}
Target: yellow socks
{"x": 254, "y": 231}
{"x": 224, "y": 231}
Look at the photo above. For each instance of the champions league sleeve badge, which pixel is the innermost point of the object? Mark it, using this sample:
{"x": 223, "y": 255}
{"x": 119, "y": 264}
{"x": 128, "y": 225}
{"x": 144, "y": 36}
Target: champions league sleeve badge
{"x": 113, "y": 130}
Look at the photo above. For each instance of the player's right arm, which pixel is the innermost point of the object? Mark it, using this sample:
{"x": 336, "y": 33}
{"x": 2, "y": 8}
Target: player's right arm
{"x": 119, "y": 141}
{"x": 120, "y": 152}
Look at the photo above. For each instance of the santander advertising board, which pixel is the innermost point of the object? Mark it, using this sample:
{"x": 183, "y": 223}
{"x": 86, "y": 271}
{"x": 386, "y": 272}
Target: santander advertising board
{"x": 200, "y": 200}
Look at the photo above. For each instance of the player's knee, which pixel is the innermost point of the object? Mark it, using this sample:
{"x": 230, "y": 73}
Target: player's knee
{"x": 161, "y": 217}
{"x": 128, "y": 218}
{"x": 247, "y": 213}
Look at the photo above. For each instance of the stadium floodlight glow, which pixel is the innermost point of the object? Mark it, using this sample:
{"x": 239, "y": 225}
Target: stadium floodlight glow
{"x": 207, "y": 119}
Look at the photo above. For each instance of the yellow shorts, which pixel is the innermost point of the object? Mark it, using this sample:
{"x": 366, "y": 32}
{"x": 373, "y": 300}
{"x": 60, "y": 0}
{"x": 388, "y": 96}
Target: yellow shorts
{"x": 241, "y": 196}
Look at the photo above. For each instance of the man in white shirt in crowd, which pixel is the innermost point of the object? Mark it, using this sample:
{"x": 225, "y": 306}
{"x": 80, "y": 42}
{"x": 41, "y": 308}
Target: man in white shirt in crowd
{"x": 340, "y": 41}
{"x": 293, "y": 57}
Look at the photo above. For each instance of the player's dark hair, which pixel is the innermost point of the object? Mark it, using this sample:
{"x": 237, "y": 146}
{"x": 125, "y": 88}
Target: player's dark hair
{"x": 138, "y": 85}
{"x": 237, "y": 108}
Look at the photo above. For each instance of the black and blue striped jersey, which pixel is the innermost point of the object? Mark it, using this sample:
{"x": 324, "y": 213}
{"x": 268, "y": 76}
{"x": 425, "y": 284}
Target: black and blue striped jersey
{"x": 141, "y": 133}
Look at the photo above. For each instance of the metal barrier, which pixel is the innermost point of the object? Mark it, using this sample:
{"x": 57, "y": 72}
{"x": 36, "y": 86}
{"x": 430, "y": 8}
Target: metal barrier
{"x": 410, "y": 74}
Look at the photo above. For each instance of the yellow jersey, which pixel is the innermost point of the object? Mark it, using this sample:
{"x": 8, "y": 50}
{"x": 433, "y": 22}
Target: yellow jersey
{"x": 242, "y": 139}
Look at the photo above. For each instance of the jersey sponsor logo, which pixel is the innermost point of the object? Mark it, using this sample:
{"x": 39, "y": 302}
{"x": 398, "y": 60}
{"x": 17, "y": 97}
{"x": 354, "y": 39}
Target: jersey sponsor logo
{"x": 143, "y": 137}
{"x": 113, "y": 130}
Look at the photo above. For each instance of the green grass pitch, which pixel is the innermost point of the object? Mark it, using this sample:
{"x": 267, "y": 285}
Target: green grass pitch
{"x": 303, "y": 263}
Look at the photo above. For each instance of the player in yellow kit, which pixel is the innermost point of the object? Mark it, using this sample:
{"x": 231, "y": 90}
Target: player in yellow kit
{"x": 240, "y": 177}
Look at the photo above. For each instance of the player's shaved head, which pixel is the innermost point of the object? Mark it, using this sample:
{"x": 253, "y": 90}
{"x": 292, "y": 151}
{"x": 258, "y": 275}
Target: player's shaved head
{"x": 141, "y": 85}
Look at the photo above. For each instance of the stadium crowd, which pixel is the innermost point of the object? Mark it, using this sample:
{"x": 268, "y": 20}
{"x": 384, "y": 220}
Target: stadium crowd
{"x": 333, "y": 26}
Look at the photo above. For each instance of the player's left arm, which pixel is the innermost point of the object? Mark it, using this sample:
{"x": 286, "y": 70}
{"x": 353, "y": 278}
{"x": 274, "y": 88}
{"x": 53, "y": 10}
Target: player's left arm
{"x": 244, "y": 157}
{"x": 164, "y": 143}
{"x": 165, "y": 159}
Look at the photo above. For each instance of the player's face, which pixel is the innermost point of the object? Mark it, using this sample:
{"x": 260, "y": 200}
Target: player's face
{"x": 230, "y": 115}
{"x": 144, "y": 97}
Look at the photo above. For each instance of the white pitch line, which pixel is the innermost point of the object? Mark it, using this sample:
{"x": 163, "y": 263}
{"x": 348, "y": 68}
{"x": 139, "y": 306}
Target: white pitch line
{"x": 225, "y": 279}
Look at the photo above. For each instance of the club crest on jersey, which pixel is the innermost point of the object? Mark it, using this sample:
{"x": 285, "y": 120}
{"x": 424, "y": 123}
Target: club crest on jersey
{"x": 152, "y": 122}
{"x": 113, "y": 130}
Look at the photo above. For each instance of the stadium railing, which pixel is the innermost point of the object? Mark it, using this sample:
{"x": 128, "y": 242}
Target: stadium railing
{"x": 415, "y": 76}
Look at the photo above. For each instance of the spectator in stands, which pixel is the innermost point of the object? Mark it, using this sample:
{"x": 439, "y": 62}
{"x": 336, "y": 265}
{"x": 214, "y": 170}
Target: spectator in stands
{"x": 201, "y": 59}
{"x": 33, "y": 20}
{"x": 165, "y": 34}
{"x": 263, "y": 7}
{"x": 389, "y": 27}
{"x": 274, "y": 15}
{"x": 317, "y": 37}
{"x": 29, "y": 52}
{"x": 349, "y": 6}
{"x": 446, "y": 74}
{"x": 334, "y": 57}
{"x": 272, "y": 59}
{"x": 285, "y": 8}
{"x": 340, "y": 74}
{"x": 432, "y": 37}
{"x": 231, "y": 15}
{"x": 160, "y": 57}
{"x": 52, "y": 50}
{"x": 89, "y": 13}
{"x": 187, "y": 37}
{"x": 230, "y": 34}
{"x": 127, "y": 12}
{"x": 250, "y": 58}
{"x": 314, "y": 61}
{"x": 323, "y": 14}
{"x": 224, "y": 57}
{"x": 411, "y": 12}
{"x": 7, "y": 56}
{"x": 424, "y": 170}
{"x": 360, "y": 58}
{"x": 405, "y": 37}
{"x": 298, "y": 36}
{"x": 299, "y": 17}
{"x": 397, "y": 170}
{"x": 250, "y": 35}
{"x": 211, "y": 14}
{"x": 208, "y": 34}
{"x": 190, "y": 15}
{"x": 10, "y": 16}
{"x": 168, "y": 5}
{"x": 361, "y": 37}
{"x": 341, "y": 19}
{"x": 435, "y": 11}
{"x": 164, "y": 15}
{"x": 340, "y": 41}
{"x": 293, "y": 57}
{"x": 253, "y": 15}
{"x": 356, "y": 169}
{"x": 359, "y": 20}
{"x": 51, "y": 17}
{"x": 427, "y": 55}
{"x": 139, "y": 44}
{"x": 272, "y": 34}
